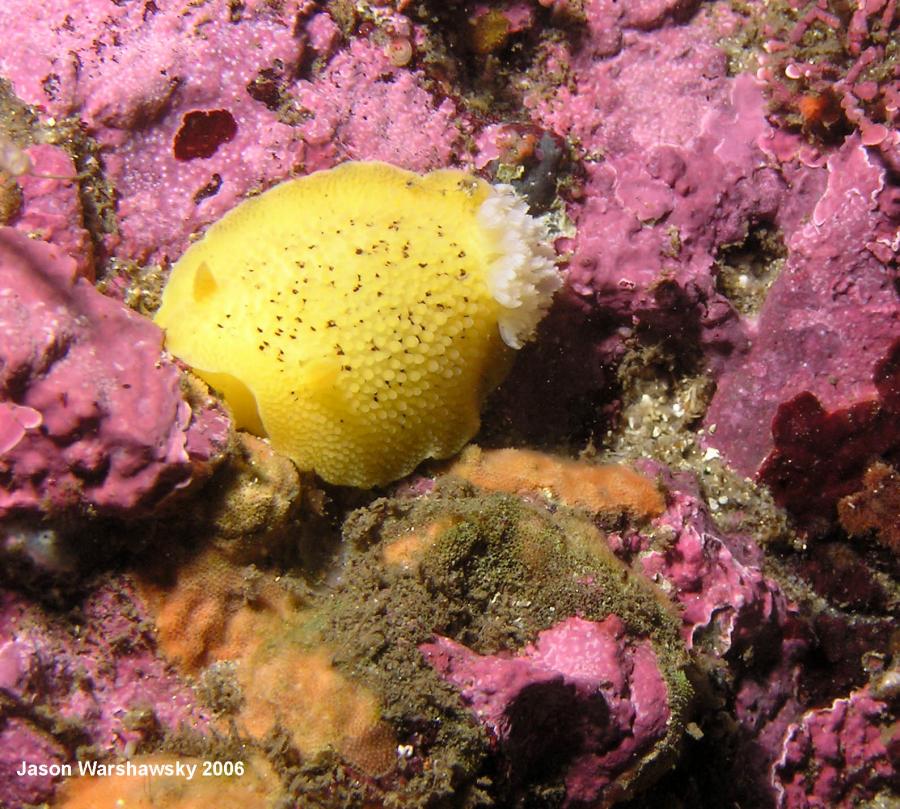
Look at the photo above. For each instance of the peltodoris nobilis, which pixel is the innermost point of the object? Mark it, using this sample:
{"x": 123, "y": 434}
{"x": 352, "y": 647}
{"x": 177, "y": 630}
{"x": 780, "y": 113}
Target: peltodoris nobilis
{"x": 359, "y": 316}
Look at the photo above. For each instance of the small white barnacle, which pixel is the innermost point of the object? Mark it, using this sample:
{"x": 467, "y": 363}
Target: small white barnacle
{"x": 14, "y": 161}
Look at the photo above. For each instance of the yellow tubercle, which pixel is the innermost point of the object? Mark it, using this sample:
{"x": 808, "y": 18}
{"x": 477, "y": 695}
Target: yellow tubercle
{"x": 352, "y": 316}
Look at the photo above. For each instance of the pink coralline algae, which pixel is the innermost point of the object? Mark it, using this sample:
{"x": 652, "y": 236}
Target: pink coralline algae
{"x": 797, "y": 754}
{"x": 678, "y": 172}
{"x": 132, "y": 73}
{"x": 609, "y": 20}
{"x": 199, "y": 104}
{"x": 21, "y": 740}
{"x": 364, "y": 107}
{"x": 586, "y": 688}
{"x": 97, "y": 683}
{"x": 716, "y": 579}
{"x": 829, "y": 319}
{"x": 674, "y": 172}
{"x": 51, "y": 210}
{"x": 92, "y": 418}
{"x": 838, "y": 756}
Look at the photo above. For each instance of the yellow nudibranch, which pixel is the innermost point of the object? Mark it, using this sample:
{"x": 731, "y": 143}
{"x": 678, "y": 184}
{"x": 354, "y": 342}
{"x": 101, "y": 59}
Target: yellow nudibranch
{"x": 357, "y": 317}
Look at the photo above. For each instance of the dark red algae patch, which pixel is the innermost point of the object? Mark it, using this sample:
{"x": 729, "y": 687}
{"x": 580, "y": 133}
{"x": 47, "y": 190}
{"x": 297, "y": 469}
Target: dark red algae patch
{"x": 820, "y": 457}
{"x": 202, "y": 132}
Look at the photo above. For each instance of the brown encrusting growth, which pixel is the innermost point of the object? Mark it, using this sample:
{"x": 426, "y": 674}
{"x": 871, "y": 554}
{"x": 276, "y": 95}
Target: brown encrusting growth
{"x": 875, "y": 507}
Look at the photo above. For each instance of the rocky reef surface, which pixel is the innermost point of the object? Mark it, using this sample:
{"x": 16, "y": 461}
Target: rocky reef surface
{"x": 667, "y": 573}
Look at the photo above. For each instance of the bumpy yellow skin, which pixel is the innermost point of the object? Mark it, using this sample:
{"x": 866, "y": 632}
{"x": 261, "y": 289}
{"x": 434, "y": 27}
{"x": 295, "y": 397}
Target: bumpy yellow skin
{"x": 346, "y": 316}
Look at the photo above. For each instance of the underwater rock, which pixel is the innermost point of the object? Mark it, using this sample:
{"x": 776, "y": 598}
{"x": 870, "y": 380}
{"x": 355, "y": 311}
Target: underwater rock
{"x": 608, "y": 21}
{"x": 584, "y": 695}
{"x": 366, "y": 107}
{"x": 198, "y": 105}
{"x": 717, "y": 579}
{"x": 751, "y": 256}
{"x": 51, "y": 209}
{"x": 90, "y": 679}
{"x": 337, "y": 677}
{"x": 92, "y": 416}
{"x": 253, "y": 500}
{"x": 819, "y": 456}
{"x": 21, "y": 740}
{"x": 674, "y": 174}
{"x": 773, "y": 660}
{"x": 763, "y": 654}
{"x": 135, "y": 74}
{"x": 829, "y": 319}
{"x": 682, "y": 174}
{"x": 841, "y": 755}
{"x": 547, "y": 638}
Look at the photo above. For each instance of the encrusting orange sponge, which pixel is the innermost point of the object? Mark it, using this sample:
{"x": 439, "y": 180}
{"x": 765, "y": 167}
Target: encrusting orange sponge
{"x": 359, "y": 316}
{"x": 602, "y": 489}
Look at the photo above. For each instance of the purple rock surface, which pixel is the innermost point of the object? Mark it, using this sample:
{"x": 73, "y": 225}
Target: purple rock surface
{"x": 198, "y": 105}
{"x": 716, "y": 579}
{"x": 675, "y": 171}
{"x": 51, "y": 209}
{"x": 92, "y": 681}
{"x": 831, "y": 315}
{"x": 839, "y": 755}
{"x": 91, "y": 415}
{"x": 584, "y": 689}
{"x": 21, "y": 740}
{"x": 733, "y": 613}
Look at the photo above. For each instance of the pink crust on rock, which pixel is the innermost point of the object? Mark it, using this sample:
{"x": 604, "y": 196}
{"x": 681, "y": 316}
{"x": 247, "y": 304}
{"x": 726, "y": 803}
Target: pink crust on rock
{"x": 675, "y": 171}
{"x": 144, "y": 77}
{"x": 91, "y": 415}
{"x": 831, "y": 315}
{"x": 838, "y": 756}
{"x": 132, "y": 75}
{"x": 99, "y": 682}
{"x": 716, "y": 580}
{"x": 662, "y": 213}
{"x": 51, "y": 210}
{"x": 365, "y": 108}
{"x": 619, "y": 105}
{"x": 21, "y": 740}
{"x": 584, "y": 690}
